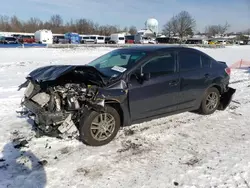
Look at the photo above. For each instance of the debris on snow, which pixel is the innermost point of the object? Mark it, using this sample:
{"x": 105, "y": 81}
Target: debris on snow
{"x": 43, "y": 162}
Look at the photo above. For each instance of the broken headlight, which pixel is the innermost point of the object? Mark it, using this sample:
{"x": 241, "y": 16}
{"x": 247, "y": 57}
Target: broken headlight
{"x": 29, "y": 89}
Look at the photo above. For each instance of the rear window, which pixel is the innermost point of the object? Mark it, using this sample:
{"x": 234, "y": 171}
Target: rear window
{"x": 206, "y": 62}
{"x": 100, "y": 38}
{"x": 10, "y": 38}
{"x": 121, "y": 38}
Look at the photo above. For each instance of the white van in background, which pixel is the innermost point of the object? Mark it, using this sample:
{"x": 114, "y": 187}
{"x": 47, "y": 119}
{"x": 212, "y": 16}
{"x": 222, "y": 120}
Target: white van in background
{"x": 44, "y": 36}
{"x": 98, "y": 39}
{"x": 117, "y": 38}
{"x": 141, "y": 39}
{"x": 85, "y": 39}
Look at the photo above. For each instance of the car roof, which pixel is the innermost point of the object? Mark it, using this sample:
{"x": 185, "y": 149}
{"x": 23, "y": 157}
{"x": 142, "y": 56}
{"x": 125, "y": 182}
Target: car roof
{"x": 152, "y": 48}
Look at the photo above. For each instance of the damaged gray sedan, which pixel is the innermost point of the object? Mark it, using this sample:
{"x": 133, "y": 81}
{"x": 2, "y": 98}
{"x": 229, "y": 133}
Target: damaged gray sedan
{"x": 123, "y": 87}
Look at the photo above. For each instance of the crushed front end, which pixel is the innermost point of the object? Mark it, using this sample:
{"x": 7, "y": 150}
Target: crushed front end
{"x": 57, "y": 108}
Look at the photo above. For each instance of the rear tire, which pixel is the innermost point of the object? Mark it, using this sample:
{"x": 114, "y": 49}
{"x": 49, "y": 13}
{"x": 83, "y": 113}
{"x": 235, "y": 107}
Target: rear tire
{"x": 210, "y": 101}
{"x": 97, "y": 129}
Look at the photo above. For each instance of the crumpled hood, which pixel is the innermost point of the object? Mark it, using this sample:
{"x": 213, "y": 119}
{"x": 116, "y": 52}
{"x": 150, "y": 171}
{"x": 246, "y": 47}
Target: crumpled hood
{"x": 53, "y": 72}
{"x": 49, "y": 73}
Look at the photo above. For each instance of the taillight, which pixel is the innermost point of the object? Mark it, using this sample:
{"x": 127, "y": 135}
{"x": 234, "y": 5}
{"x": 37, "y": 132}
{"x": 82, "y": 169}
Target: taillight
{"x": 228, "y": 71}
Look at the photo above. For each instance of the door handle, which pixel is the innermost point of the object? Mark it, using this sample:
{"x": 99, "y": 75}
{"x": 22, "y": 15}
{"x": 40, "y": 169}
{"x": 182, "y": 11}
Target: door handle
{"x": 206, "y": 75}
{"x": 173, "y": 83}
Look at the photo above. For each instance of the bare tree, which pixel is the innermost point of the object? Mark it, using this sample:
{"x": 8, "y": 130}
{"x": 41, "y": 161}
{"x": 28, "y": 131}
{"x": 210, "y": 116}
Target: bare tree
{"x": 168, "y": 28}
{"x": 56, "y": 21}
{"x": 132, "y": 30}
{"x": 186, "y": 23}
{"x": 81, "y": 26}
{"x": 182, "y": 23}
{"x": 16, "y": 24}
{"x": 4, "y": 23}
{"x": 213, "y": 30}
{"x": 32, "y": 25}
{"x": 125, "y": 29}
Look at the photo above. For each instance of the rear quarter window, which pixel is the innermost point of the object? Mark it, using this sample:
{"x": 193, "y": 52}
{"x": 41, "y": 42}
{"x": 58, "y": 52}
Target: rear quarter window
{"x": 189, "y": 60}
{"x": 206, "y": 62}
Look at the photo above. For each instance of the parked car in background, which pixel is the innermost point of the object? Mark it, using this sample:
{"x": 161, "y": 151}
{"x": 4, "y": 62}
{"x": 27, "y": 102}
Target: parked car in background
{"x": 141, "y": 39}
{"x": 117, "y": 38}
{"x": 98, "y": 39}
{"x": 60, "y": 39}
{"x": 8, "y": 40}
{"x": 86, "y": 39}
{"x": 129, "y": 39}
{"x": 26, "y": 39}
{"x": 152, "y": 41}
{"x": 16, "y": 35}
{"x": 125, "y": 86}
{"x": 107, "y": 39}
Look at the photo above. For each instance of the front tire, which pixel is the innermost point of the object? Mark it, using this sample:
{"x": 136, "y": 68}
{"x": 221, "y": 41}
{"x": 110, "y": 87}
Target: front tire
{"x": 97, "y": 129}
{"x": 210, "y": 101}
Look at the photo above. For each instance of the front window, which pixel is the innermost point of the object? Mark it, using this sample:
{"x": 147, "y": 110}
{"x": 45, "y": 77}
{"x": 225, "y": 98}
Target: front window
{"x": 116, "y": 62}
{"x": 161, "y": 65}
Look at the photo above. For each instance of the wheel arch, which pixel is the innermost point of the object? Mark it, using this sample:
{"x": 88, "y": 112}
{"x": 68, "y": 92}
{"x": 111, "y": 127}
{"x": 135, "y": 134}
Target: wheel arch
{"x": 217, "y": 87}
{"x": 116, "y": 105}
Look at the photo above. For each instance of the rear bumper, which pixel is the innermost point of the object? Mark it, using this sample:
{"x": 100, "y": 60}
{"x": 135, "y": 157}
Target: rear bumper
{"x": 226, "y": 98}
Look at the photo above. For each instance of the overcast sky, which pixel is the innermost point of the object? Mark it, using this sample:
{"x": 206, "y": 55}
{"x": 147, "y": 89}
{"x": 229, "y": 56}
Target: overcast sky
{"x": 134, "y": 12}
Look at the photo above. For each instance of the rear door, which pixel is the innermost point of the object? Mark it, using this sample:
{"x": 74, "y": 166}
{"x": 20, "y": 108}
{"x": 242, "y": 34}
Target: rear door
{"x": 192, "y": 79}
{"x": 159, "y": 94}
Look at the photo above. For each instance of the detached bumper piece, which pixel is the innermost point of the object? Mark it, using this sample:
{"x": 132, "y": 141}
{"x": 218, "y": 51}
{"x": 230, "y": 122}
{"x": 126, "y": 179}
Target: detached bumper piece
{"x": 226, "y": 98}
{"x": 51, "y": 123}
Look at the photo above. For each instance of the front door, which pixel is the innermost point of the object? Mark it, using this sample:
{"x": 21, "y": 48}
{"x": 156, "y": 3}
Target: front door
{"x": 158, "y": 94}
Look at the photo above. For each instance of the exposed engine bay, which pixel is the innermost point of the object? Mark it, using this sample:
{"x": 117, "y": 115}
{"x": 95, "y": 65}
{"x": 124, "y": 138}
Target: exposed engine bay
{"x": 57, "y": 109}
{"x": 57, "y": 97}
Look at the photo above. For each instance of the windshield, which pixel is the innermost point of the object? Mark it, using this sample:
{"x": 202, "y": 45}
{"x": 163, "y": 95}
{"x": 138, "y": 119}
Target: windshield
{"x": 116, "y": 62}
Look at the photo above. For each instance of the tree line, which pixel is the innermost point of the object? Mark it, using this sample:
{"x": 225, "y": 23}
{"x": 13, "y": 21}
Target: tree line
{"x": 183, "y": 24}
{"x": 57, "y": 25}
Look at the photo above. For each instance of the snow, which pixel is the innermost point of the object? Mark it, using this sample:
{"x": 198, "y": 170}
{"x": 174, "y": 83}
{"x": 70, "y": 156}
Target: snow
{"x": 185, "y": 150}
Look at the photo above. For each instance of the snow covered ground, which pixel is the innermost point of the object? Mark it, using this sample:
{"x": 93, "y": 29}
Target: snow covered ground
{"x": 185, "y": 150}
